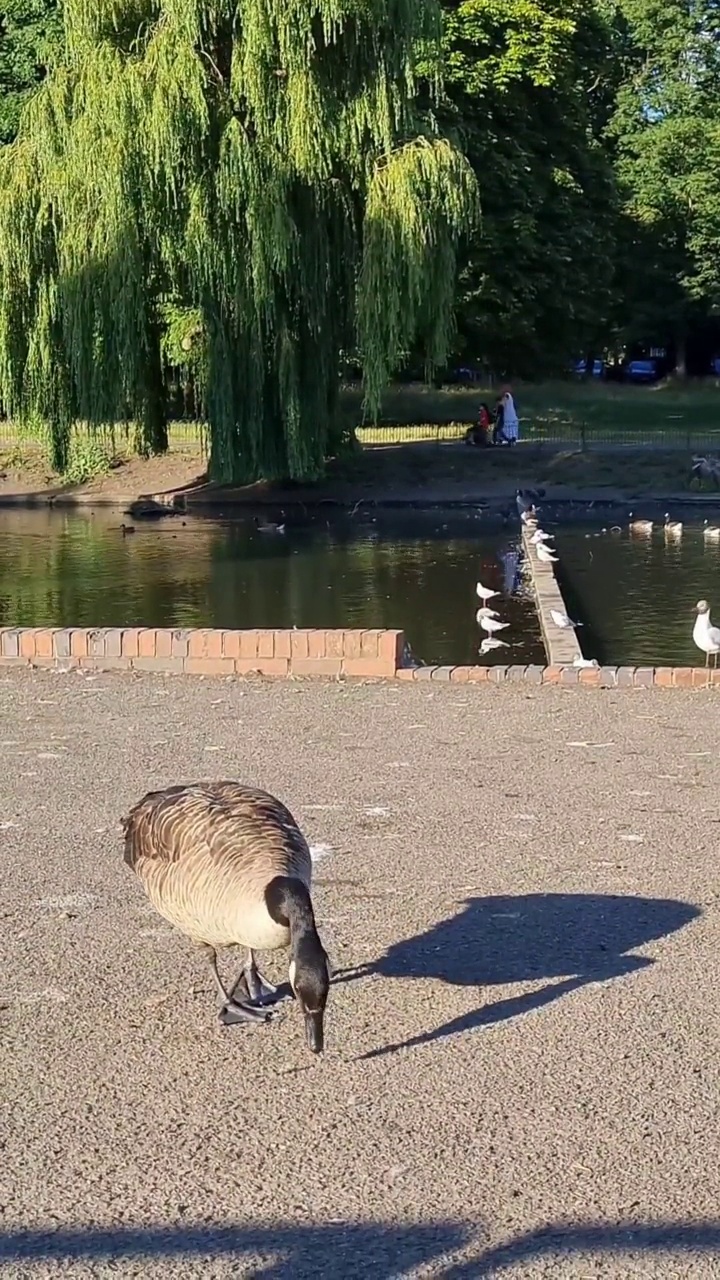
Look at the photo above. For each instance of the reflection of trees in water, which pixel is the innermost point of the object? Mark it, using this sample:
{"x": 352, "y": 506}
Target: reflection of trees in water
{"x": 70, "y": 569}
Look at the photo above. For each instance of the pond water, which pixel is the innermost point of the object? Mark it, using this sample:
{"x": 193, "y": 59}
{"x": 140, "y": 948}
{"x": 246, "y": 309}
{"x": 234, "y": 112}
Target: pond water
{"x": 636, "y": 594}
{"x": 407, "y": 569}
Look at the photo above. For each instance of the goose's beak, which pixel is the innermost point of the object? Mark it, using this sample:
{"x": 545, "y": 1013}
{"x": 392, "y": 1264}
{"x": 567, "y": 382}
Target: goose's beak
{"x": 314, "y": 1031}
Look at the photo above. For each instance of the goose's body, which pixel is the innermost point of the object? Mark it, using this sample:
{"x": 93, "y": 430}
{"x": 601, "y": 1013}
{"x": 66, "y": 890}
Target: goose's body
{"x": 640, "y": 526}
{"x": 228, "y": 866}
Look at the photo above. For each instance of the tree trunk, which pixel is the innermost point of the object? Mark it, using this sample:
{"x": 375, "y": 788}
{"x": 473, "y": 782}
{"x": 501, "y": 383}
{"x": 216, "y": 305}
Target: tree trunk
{"x": 151, "y": 434}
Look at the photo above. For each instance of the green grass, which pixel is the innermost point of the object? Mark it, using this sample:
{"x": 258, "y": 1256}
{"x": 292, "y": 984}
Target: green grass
{"x": 569, "y": 413}
{"x": 554, "y": 411}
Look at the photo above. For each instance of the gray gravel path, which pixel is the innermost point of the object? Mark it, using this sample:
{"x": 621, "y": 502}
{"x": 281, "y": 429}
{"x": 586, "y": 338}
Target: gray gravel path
{"x": 523, "y": 1081}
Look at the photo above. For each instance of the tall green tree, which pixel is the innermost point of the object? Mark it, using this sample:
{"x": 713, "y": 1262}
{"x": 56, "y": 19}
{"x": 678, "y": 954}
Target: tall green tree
{"x": 532, "y": 84}
{"x": 666, "y": 131}
{"x": 30, "y": 38}
{"x": 265, "y": 162}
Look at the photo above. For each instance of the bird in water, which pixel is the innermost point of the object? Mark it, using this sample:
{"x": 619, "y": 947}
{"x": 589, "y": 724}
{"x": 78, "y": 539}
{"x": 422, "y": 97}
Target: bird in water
{"x": 705, "y": 635}
{"x": 639, "y": 526}
{"x": 488, "y": 622}
{"x": 485, "y": 593}
{"x": 491, "y": 643}
{"x": 673, "y": 528}
{"x": 126, "y": 529}
{"x": 711, "y": 532}
{"x": 228, "y": 866}
{"x": 266, "y": 526}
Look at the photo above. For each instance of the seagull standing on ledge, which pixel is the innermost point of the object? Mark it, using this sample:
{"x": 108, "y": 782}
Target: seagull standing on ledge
{"x": 562, "y": 620}
{"x": 544, "y": 555}
{"x": 706, "y": 637}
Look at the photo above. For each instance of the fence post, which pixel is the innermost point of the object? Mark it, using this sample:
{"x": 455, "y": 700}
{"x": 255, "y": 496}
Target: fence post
{"x": 583, "y": 437}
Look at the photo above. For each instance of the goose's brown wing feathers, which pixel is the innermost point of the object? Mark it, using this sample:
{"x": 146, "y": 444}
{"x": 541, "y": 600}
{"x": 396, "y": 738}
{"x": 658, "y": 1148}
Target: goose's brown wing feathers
{"x": 167, "y": 826}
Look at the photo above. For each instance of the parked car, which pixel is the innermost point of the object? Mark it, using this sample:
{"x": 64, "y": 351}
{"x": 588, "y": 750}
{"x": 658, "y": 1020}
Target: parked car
{"x": 597, "y": 371}
{"x": 641, "y": 371}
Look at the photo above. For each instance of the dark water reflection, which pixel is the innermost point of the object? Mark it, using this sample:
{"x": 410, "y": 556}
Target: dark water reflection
{"x": 410, "y": 570}
{"x": 637, "y": 594}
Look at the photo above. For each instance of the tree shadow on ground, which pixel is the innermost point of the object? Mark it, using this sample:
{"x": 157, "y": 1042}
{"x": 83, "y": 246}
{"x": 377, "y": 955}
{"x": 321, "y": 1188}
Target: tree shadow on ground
{"x": 355, "y": 1251}
{"x": 279, "y": 1251}
{"x": 564, "y": 941}
{"x": 559, "y": 1242}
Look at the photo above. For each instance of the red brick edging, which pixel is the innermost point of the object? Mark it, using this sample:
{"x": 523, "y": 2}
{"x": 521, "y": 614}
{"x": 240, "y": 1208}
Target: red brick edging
{"x": 372, "y": 654}
{"x": 207, "y": 652}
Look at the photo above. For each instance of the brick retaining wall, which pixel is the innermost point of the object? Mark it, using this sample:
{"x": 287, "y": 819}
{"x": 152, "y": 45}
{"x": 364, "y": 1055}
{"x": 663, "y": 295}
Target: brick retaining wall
{"x": 335, "y": 654}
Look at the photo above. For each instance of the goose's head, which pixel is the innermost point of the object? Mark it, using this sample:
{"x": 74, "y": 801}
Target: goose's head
{"x": 309, "y": 974}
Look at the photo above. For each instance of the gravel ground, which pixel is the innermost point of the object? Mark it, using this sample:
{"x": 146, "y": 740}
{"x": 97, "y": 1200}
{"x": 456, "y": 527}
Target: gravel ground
{"x": 519, "y": 891}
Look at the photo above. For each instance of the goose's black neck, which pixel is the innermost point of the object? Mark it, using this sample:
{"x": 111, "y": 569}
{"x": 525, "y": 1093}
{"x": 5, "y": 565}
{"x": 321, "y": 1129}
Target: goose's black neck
{"x": 290, "y": 905}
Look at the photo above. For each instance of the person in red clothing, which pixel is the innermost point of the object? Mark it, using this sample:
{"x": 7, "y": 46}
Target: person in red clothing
{"x": 480, "y": 433}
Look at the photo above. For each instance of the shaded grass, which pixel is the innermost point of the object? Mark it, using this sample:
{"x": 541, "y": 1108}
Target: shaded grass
{"x": 456, "y": 469}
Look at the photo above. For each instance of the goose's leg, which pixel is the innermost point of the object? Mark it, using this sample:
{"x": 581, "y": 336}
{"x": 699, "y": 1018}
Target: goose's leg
{"x": 232, "y": 1010}
{"x": 259, "y": 989}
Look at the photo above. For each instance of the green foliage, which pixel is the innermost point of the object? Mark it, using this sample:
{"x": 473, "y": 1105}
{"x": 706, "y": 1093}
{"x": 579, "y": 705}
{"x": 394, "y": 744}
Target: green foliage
{"x": 264, "y": 164}
{"x": 87, "y": 458}
{"x": 529, "y": 83}
{"x": 666, "y": 129}
{"x": 30, "y": 38}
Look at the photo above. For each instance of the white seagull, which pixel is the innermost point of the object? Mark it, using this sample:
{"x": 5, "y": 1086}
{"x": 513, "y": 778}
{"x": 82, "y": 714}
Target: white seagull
{"x": 544, "y": 555}
{"x": 706, "y": 637}
{"x": 489, "y": 644}
{"x": 585, "y": 664}
{"x": 486, "y": 613}
{"x": 562, "y": 620}
{"x": 490, "y": 624}
{"x": 485, "y": 593}
{"x": 541, "y": 536}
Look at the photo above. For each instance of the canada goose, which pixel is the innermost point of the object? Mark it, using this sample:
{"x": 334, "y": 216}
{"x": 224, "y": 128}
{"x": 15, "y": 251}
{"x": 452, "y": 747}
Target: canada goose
{"x": 711, "y": 532}
{"x": 673, "y": 528}
{"x": 126, "y": 529}
{"x": 705, "y": 635}
{"x": 266, "y": 526}
{"x": 640, "y": 526}
{"x": 228, "y": 866}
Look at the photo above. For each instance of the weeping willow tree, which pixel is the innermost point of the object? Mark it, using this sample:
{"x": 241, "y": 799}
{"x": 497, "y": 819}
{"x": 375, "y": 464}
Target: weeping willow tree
{"x": 262, "y": 164}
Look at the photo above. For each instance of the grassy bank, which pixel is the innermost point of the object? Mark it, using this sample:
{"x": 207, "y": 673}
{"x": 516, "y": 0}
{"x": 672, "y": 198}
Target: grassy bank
{"x": 627, "y": 439}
